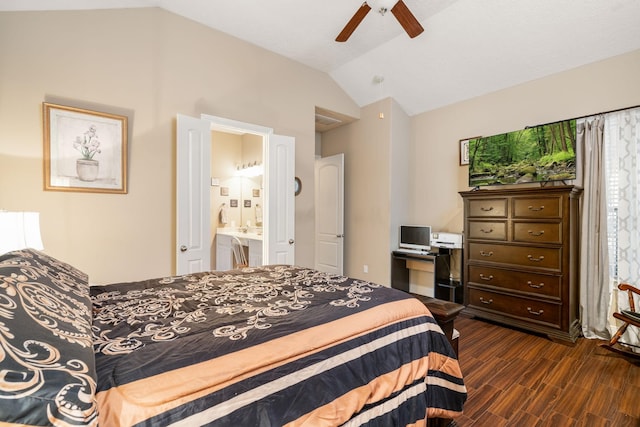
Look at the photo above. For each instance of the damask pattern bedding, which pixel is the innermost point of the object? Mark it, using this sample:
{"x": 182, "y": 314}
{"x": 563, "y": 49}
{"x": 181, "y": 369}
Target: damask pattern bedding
{"x": 47, "y": 373}
{"x": 276, "y": 345}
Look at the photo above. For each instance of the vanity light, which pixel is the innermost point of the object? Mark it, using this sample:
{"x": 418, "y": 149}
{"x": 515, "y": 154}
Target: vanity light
{"x": 250, "y": 169}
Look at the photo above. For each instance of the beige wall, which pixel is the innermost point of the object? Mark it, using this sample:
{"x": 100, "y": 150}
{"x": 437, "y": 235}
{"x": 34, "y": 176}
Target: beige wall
{"x": 435, "y": 177}
{"x": 590, "y": 89}
{"x": 151, "y": 65}
{"x": 377, "y": 184}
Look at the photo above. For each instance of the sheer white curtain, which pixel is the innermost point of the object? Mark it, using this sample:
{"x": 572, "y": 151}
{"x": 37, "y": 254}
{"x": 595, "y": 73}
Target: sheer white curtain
{"x": 622, "y": 144}
{"x": 595, "y": 286}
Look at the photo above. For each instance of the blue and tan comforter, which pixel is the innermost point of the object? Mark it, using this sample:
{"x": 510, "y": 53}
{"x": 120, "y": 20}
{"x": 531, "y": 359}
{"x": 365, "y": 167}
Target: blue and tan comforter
{"x": 269, "y": 346}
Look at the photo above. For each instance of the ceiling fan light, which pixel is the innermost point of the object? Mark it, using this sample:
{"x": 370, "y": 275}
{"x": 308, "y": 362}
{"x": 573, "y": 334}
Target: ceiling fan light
{"x": 381, "y": 5}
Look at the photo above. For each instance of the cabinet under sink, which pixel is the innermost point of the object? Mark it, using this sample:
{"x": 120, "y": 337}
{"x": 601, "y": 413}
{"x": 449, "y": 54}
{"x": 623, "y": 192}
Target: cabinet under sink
{"x": 251, "y": 240}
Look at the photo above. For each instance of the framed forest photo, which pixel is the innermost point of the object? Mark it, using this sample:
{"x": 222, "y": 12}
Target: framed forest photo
{"x": 84, "y": 150}
{"x": 535, "y": 154}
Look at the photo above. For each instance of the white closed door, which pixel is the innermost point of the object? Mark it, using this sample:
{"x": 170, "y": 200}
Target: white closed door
{"x": 280, "y": 195}
{"x": 193, "y": 227}
{"x": 329, "y": 247}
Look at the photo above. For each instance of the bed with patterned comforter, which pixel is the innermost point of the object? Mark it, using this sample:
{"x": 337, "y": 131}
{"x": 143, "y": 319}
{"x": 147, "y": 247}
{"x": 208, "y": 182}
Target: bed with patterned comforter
{"x": 270, "y": 346}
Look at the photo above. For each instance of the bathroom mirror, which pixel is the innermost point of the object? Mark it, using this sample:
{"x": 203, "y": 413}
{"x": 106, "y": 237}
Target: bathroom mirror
{"x": 238, "y": 203}
{"x": 237, "y": 190}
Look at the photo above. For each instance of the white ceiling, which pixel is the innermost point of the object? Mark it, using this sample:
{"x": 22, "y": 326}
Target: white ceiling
{"x": 469, "y": 47}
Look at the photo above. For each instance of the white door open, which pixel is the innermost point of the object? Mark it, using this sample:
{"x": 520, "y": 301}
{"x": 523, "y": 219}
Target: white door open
{"x": 193, "y": 229}
{"x": 280, "y": 199}
{"x": 329, "y": 236}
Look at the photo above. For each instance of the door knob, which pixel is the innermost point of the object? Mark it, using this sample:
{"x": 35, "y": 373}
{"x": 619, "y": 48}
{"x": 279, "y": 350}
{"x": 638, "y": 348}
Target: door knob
{"x": 291, "y": 241}
{"x": 340, "y": 235}
{"x": 183, "y": 248}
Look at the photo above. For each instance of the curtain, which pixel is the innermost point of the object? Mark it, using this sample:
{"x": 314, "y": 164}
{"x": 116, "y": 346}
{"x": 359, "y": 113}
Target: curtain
{"x": 622, "y": 142}
{"x": 595, "y": 286}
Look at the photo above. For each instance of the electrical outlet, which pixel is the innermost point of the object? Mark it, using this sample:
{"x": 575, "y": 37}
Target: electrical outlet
{"x": 365, "y": 268}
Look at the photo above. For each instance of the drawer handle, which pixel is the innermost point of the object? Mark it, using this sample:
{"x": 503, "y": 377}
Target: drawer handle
{"x": 487, "y": 254}
{"x": 535, "y": 313}
{"x": 483, "y": 277}
{"x": 484, "y": 301}
{"x": 531, "y": 208}
{"x": 536, "y": 233}
{"x": 489, "y": 209}
{"x": 489, "y": 231}
{"x": 534, "y": 259}
{"x": 533, "y": 285}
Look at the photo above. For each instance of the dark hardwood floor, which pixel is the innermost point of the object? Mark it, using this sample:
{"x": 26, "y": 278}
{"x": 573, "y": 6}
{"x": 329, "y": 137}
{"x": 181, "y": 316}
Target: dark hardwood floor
{"x": 515, "y": 378}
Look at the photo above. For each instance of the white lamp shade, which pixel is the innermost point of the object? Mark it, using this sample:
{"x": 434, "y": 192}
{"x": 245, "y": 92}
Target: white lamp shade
{"x": 19, "y": 230}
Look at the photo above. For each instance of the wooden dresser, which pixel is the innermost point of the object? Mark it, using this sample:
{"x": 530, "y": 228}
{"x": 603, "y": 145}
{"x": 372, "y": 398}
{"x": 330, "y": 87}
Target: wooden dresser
{"x": 521, "y": 258}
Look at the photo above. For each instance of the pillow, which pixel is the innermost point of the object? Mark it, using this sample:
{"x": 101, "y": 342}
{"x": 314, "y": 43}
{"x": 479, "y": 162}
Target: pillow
{"x": 47, "y": 366}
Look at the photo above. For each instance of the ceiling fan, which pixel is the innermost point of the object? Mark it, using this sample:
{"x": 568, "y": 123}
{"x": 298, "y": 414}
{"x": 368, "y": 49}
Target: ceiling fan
{"x": 397, "y": 7}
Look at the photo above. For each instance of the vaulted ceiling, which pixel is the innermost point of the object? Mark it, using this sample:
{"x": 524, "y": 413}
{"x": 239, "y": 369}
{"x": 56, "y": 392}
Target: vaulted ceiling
{"x": 469, "y": 47}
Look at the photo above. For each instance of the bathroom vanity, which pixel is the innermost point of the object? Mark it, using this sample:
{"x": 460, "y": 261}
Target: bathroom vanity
{"x": 251, "y": 240}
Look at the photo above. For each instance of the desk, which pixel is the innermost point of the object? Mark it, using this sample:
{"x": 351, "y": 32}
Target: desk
{"x": 436, "y": 262}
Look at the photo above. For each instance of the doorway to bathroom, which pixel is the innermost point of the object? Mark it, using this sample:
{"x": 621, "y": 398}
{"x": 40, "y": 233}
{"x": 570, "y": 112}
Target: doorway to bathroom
{"x": 237, "y": 207}
{"x": 194, "y": 216}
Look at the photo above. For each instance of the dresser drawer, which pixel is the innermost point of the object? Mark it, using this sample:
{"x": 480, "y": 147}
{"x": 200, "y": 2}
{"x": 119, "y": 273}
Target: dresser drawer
{"x": 490, "y": 230}
{"x": 527, "y": 256}
{"x": 537, "y": 232}
{"x": 488, "y": 208}
{"x": 519, "y": 307}
{"x": 537, "y": 207}
{"x": 536, "y": 284}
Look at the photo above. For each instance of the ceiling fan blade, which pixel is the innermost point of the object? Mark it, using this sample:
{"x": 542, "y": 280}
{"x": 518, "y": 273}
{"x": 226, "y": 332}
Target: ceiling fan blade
{"x": 353, "y": 23}
{"x": 406, "y": 19}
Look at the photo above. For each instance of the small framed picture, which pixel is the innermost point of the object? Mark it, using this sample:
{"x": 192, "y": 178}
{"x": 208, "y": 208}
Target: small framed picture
{"x": 464, "y": 152}
{"x": 256, "y": 192}
{"x": 233, "y": 203}
{"x": 224, "y": 191}
{"x": 84, "y": 150}
{"x": 247, "y": 203}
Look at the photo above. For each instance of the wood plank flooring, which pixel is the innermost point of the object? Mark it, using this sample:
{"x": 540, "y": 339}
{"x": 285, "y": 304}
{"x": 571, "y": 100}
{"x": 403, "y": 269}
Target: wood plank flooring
{"x": 515, "y": 378}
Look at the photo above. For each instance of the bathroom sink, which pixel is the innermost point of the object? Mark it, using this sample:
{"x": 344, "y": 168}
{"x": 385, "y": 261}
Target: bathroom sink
{"x": 241, "y": 234}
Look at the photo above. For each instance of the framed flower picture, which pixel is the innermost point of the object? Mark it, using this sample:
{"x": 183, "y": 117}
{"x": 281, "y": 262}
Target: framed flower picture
{"x": 84, "y": 150}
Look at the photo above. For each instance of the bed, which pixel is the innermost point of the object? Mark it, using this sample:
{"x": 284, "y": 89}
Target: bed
{"x": 269, "y": 346}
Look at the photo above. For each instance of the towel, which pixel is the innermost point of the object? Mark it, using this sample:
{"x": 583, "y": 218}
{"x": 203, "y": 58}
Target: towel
{"x": 223, "y": 213}
{"x": 258, "y": 214}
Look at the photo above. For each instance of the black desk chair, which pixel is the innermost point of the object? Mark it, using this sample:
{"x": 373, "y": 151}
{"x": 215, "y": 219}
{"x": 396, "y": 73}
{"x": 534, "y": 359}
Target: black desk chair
{"x": 629, "y": 317}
